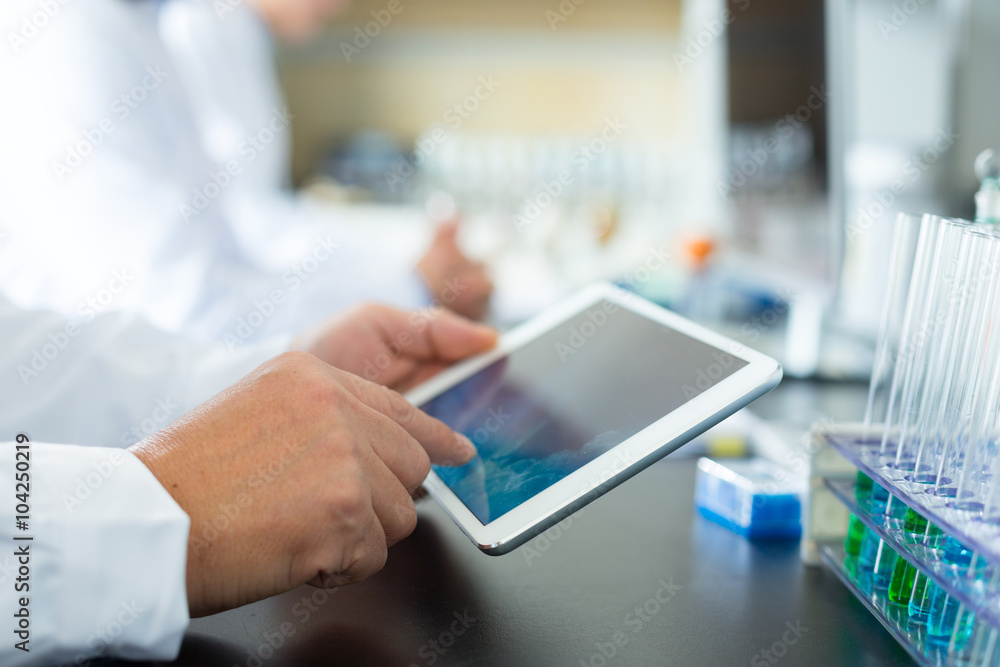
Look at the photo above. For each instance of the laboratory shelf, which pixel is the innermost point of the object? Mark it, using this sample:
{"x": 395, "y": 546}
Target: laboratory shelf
{"x": 894, "y": 621}
{"x": 971, "y": 592}
{"x": 981, "y": 537}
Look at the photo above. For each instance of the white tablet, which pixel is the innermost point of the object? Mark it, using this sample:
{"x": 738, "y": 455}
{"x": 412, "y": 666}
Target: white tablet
{"x": 576, "y": 401}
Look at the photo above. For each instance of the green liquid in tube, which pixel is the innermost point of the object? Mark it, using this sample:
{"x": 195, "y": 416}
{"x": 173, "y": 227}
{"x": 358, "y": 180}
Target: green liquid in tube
{"x": 901, "y": 584}
{"x": 855, "y": 534}
{"x": 918, "y": 530}
{"x": 852, "y": 546}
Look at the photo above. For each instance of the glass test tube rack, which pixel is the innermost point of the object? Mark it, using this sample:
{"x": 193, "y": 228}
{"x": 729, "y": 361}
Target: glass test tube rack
{"x": 928, "y": 574}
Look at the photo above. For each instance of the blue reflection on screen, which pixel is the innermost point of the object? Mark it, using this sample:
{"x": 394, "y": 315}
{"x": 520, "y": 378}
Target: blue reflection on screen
{"x": 567, "y": 397}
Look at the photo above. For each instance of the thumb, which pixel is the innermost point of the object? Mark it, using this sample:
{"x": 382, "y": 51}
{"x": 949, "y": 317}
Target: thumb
{"x": 447, "y": 231}
{"x": 453, "y": 337}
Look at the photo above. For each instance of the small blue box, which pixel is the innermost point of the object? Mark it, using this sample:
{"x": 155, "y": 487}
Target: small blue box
{"x": 752, "y": 497}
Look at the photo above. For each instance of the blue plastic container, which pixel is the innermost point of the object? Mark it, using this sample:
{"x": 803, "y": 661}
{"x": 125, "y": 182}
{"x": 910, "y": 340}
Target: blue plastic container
{"x": 752, "y": 497}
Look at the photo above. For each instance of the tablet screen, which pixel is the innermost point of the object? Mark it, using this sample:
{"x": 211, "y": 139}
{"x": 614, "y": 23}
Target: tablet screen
{"x": 568, "y": 396}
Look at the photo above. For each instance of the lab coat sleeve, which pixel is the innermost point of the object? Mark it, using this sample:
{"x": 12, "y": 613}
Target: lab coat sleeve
{"x": 104, "y": 570}
{"x": 109, "y": 381}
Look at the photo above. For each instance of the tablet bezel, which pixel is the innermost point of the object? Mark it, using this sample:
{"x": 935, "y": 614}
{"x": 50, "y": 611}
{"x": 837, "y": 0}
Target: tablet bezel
{"x": 627, "y": 458}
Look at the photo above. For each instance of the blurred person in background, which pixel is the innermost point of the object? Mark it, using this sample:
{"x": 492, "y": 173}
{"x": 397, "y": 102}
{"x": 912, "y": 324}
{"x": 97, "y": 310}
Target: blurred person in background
{"x": 109, "y": 201}
{"x": 225, "y": 57}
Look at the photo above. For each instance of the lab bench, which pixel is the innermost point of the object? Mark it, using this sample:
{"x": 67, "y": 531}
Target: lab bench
{"x": 635, "y": 578}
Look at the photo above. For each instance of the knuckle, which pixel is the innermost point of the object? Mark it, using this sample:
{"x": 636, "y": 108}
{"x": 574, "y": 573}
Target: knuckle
{"x": 293, "y": 361}
{"x": 396, "y": 407}
{"x": 422, "y": 468}
{"x": 379, "y": 557}
{"x": 347, "y": 450}
{"x": 364, "y": 561}
{"x": 407, "y": 518}
{"x": 348, "y": 501}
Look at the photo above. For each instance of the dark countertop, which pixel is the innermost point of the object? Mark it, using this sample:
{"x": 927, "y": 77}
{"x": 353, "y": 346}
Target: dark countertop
{"x": 636, "y": 576}
{"x": 709, "y": 598}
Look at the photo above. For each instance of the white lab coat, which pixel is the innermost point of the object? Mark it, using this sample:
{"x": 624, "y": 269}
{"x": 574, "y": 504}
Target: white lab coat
{"x": 224, "y": 56}
{"x": 105, "y": 570}
{"x": 109, "y": 381}
{"x": 107, "y": 562}
{"x": 105, "y": 177}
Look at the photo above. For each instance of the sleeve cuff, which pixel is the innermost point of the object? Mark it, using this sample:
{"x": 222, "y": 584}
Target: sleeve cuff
{"x": 108, "y": 558}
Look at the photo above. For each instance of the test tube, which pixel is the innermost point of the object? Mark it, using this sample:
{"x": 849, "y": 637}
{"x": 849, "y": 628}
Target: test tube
{"x": 947, "y": 618}
{"x": 991, "y": 508}
{"x": 973, "y": 415}
{"x": 856, "y": 531}
{"x": 885, "y": 562}
{"x": 871, "y": 544}
{"x": 920, "y": 599}
{"x": 905, "y": 237}
{"x": 901, "y": 582}
{"x": 955, "y": 362}
{"x": 927, "y": 308}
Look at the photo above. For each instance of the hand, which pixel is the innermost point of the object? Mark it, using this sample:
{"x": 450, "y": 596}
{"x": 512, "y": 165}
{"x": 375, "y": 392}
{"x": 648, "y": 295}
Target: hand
{"x": 298, "y": 473}
{"x": 395, "y": 348}
{"x": 457, "y": 282}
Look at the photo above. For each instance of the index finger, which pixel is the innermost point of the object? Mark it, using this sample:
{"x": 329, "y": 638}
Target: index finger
{"x": 443, "y": 445}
